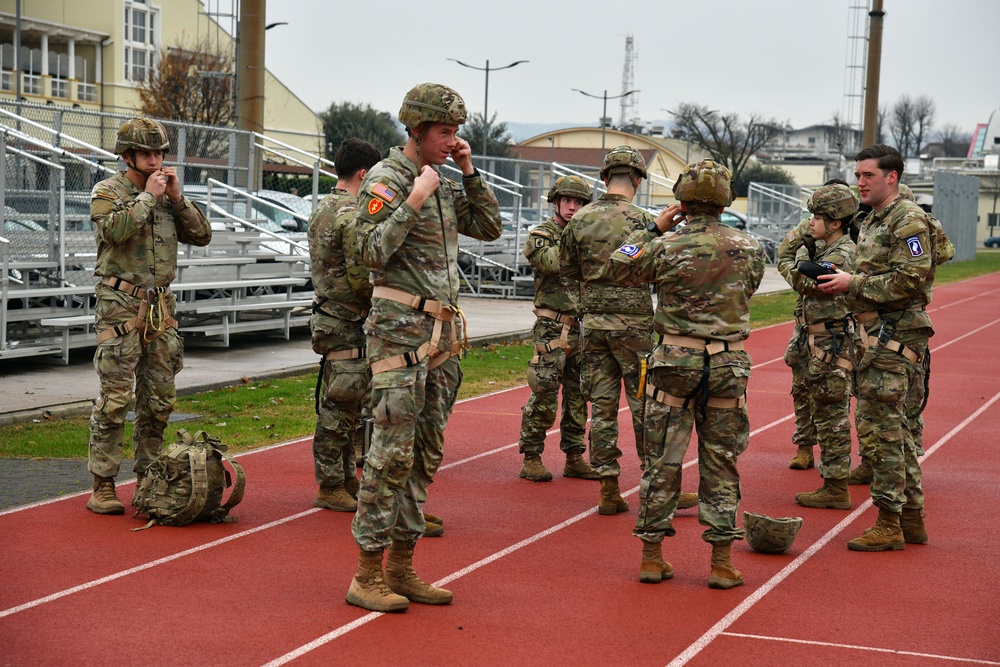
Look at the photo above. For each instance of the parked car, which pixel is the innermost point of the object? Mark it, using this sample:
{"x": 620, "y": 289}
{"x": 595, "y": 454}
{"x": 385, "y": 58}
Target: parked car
{"x": 992, "y": 242}
{"x": 40, "y": 206}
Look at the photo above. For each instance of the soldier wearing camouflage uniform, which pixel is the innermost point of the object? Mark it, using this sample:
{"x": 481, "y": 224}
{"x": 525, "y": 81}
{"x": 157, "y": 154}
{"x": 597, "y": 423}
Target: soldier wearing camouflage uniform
{"x": 557, "y": 343}
{"x": 409, "y": 218}
{"x": 140, "y": 216}
{"x": 705, "y": 274}
{"x": 342, "y": 299}
{"x": 888, "y": 293}
{"x": 820, "y": 352}
{"x": 616, "y": 319}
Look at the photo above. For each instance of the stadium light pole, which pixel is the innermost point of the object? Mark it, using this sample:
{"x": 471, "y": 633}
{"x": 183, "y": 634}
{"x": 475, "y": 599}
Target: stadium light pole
{"x": 486, "y": 101}
{"x": 604, "y": 113}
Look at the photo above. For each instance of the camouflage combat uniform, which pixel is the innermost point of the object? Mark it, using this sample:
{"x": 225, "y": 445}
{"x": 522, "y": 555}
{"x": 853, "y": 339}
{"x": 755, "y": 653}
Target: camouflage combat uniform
{"x": 821, "y": 389}
{"x": 343, "y": 297}
{"x": 889, "y": 290}
{"x": 617, "y": 321}
{"x": 555, "y": 364}
{"x": 416, "y": 253}
{"x": 705, "y": 274}
{"x": 137, "y": 236}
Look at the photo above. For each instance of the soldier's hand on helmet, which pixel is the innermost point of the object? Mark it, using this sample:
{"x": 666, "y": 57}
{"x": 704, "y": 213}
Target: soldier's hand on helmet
{"x": 173, "y": 189}
{"x": 669, "y": 218}
{"x": 834, "y": 282}
{"x": 462, "y": 155}
{"x": 156, "y": 184}
{"x": 423, "y": 187}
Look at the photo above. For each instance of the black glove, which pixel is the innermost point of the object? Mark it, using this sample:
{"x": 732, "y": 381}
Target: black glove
{"x": 814, "y": 270}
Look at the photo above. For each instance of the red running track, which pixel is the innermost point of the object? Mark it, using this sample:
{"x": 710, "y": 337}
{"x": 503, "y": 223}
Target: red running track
{"x": 538, "y": 576}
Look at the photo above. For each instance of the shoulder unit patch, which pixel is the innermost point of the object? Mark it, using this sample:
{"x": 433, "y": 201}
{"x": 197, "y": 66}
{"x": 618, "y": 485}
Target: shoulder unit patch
{"x": 374, "y": 206}
{"x": 916, "y": 250}
{"x": 630, "y": 250}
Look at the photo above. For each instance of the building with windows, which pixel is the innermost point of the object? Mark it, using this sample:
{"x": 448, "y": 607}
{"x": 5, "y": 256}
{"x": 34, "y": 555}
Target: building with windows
{"x": 93, "y": 54}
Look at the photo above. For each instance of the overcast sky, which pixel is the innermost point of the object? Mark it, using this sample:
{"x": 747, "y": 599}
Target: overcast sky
{"x": 784, "y": 59}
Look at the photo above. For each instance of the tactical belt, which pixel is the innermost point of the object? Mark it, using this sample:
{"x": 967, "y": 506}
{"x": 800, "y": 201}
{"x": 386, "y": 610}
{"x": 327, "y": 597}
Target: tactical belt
{"x": 441, "y": 312}
{"x": 139, "y": 321}
{"x": 567, "y": 322}
{"x": 813, "y": 329}
{"x": 342, "y": 355}
{"x": 317, "y": 306}
{"x": 709, "y": 347}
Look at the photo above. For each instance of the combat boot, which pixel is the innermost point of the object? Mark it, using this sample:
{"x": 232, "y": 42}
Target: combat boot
{"x": 402, "y": 580}
{"x": 534, "y": 470}
{"x": 369, "y": 590}
{"x": 611, "y": 499}
{"x": 577, "y": 467}
{"x": 885, "y": 535}
{"x": 833, "y": 495}
{"x": 352, "y": 485}
{"x": 104, "y": 500}
{"x": 433, "y": 518}
{"x": 335, "y": 498}
{"x": 432, "y": 527}
{"x": 911, "y": 521}
{"x": 803, "y": 459}
{"x": 863, "y": 474}
{"x": 687, "y": 500}
{"x": 724, "y": 575}
{"x": 654, "y": 569}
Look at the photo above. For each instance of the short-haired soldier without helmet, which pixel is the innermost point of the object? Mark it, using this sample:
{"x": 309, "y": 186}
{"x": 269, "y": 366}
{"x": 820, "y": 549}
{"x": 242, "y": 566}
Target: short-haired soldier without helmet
{"x": 704, "y": 275}
{"x": 140, "y": 216}
{"x": 408, "y": 221}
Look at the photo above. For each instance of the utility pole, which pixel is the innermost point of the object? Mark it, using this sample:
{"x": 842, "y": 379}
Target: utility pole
{"x": 875, "y": 18}
{"x": 250, "y": 66}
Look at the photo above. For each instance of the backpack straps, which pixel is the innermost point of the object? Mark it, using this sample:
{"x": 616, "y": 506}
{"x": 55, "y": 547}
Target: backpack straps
{"x": 197, "y": 458}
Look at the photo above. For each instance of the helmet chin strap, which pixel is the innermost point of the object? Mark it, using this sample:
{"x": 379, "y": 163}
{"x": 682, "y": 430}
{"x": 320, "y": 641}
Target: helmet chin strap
{"x": 134, "y": 167}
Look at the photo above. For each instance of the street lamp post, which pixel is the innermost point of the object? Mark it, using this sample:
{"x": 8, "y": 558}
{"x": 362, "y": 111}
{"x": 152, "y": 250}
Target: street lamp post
{"x": 486, "y": 101}
{"x": 604, "y": 113}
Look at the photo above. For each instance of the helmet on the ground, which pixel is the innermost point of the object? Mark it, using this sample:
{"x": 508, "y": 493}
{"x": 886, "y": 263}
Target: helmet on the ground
{"x": 431, "y": 103}
{"x": 623, "y": 160}
{"x": 906, "y": 192}
{"x": 142, "y": 134}
{"x": 706, "y": 181}
{"x": 770, "y": 535}
{"x": 834, "y": 201}
{"x": 570, "y": 186}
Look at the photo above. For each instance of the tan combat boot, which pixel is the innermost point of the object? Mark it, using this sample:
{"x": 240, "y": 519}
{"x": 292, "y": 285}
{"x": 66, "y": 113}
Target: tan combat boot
{"x": 654, "y": 569}
{"x": 803, "y": 459}
{"x": 687, "y": 500}
{"x": 433, "y": 518}
{"x": 611, "y": 499}
{"x": 577, "y": 467}
{"x": 534, "y": 470}
{"x": 885, "y": 535}
{"x": 335, "y": 498}
{"x": 104, "y": 500}
{"x": 352, "y": 485}
{"x": 833, "y": 495}
{"x": 911, "y": 521}
{"x": 724, "y": 575}
{"x": 433, "y": 528}
{"x": 368, "y": 589}
{"x": 402, "y": 580}
{"x": 863, "y": 474}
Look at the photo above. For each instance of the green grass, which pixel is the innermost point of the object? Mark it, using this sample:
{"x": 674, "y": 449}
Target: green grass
{"x": 268, "y": 411}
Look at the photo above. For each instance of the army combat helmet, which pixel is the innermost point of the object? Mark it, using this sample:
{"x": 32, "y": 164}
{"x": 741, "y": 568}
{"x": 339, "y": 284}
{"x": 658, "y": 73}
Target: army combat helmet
{"x": 624, "y": 160}
{"x": 570, "y": 186}
{"x": 770, "y": 535}
{"x": 431, "y": 103}
{"x": 706, "y": 181}
{"x": 142, "y": 134}
{"x": 835, "y": 201}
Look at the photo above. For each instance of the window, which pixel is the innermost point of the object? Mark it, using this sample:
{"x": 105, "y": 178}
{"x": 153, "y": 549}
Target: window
{"x": 140, "y": 40}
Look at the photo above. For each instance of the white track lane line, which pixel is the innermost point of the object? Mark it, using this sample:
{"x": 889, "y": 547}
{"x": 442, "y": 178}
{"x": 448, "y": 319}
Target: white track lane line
{"x": 730, "y": 618}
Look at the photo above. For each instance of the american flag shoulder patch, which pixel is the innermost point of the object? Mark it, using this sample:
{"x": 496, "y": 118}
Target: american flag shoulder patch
{"x": 630, "y": 250}
{"x": 383, "y": 192}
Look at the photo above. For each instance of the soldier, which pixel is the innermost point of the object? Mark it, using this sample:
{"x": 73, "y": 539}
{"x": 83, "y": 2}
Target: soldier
{"x": 139, "y": 218}
{"x": 409, "y": 218}
{"x": 705, "y": 274}
{"x": 888, "y": 292}
{"x": 820, "y": 352}
{"x": 342, "y": 299}
{"x": 616, "y": 319}
{"x": 557, "y": 343}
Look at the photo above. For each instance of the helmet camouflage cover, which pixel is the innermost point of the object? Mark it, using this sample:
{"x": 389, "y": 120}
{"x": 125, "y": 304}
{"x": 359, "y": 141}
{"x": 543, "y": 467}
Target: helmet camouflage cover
{"x": 706, "y": 181}
{"x": 623, "y": 160}
{"x": 770, "y": 535}
{"x": 431, "y": 103}
{"x": 834, "y": 201}
{"x": 142, "y": 134}
{"x": 570, "y": 186}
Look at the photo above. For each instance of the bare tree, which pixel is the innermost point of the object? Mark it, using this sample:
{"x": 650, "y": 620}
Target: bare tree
{"x": 880, "y": 125}
{"x": 901, "y": 124}
{"x": 954, "y": 141}
{"x": 726, "y": 137}
{"x": 923, "y": 121}
{"x": 841, "y": 135}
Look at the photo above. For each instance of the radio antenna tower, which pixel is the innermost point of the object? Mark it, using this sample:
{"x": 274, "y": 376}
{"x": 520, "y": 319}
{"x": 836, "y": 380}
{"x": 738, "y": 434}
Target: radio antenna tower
{"x": 856, "y": 67}
{"x": 629, "y": 103}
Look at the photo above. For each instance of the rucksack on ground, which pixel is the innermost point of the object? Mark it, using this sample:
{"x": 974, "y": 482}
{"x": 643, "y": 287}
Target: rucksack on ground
{"x": 187, "y": 481}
